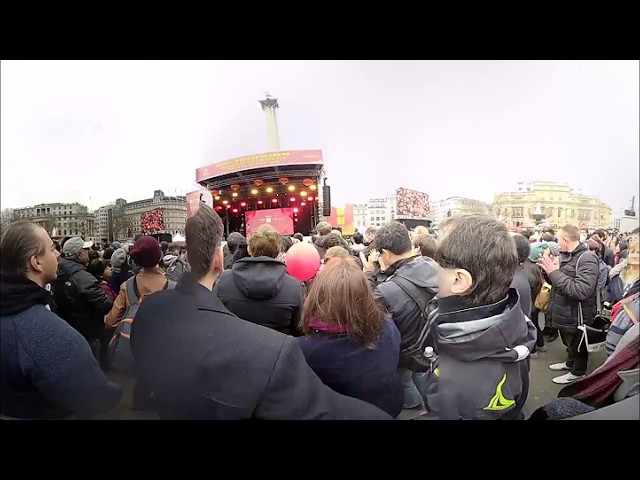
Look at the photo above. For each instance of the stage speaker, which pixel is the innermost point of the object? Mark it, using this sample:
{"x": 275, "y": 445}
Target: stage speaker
{"x": 326, "y": 200}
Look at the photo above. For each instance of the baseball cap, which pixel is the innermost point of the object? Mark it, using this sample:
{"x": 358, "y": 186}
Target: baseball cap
{"x": 74, "y": 245}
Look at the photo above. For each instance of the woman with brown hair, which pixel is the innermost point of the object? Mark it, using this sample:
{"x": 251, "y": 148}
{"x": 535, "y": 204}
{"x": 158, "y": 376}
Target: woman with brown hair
{"x": 348, "y": 341}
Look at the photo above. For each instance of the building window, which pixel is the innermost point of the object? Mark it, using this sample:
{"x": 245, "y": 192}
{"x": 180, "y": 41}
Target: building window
{"x": 518, "y": 211}
{"x": 573, "y": 213}
{"x": 377, "y": 219}
{"x": 373, "y": 219}
{"x": 382, "y": 218}
{"x": 559, "y": 212}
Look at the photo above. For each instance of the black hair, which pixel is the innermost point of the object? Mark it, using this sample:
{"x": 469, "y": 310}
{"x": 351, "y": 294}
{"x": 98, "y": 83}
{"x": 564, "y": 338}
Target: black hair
{"x": 234, "y": 240}
{"x": 523, "y": 248}
{"x": 547, "y": 237}
{"x": 108, "y": 253}
{"x": 534, "y": 276}
{"x": 241, "y": 252}
{"x": 549, "y": 230}
{"x": 96, "y": 268}
{"x": 394, "y": 237}
{"x": 358, "y": 238}
{"x": 483, "y": 247}
{"x": 287, "y": 243}
{"x": 299, "y": 236}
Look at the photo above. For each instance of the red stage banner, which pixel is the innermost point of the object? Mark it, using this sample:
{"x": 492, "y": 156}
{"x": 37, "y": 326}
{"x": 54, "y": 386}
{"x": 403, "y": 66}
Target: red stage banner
{"x": 193, "y": 203}
{"x": 279, "y": 218}
{"x": 271, "y": 159}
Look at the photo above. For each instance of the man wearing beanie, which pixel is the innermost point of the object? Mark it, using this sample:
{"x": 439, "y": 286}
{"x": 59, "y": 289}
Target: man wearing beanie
{"x": 146, "y": 253}
{"x": 78, "y": 296}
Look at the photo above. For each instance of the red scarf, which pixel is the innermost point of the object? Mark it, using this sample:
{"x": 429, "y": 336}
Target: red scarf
{"x": 320, "y": 326}
{"x": 598, "y": 388}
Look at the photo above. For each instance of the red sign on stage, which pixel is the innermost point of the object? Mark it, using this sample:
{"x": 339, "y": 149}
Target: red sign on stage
{"x": 279, "y": 218}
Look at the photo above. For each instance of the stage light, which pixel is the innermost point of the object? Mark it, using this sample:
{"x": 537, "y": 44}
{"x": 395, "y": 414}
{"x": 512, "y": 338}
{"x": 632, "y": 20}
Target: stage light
{"x": 219, "y": 207}
{"x": 243, "y": 204}
{"x": 292, "y": 199}
{"x": 275, "y": 200}
{"x": 259, "y": 202}
{"x": 225, "y": 202}
{"x": 217, "y": 197}
{"x": 303, "y": 194}
{"x": 312, "y": 187}
{"x": 291, "y": 188}
{"x": 228, "y": 207}
{"x": 302, "y": 204}
{"x": 254, "y": 192}
{"x": 295, "y": 210}
{"x": 269, "y": 190}
{"x": 234, "y": 194}
{"x": 310, "y": 199}
{"x": 235, "y": 210}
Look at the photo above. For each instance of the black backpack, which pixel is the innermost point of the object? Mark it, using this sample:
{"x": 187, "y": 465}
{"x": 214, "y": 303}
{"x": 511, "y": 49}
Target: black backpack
{"x": 429, "y": 311}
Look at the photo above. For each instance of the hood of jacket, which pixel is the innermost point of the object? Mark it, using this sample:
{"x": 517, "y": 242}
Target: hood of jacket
{"x": 421, "y": 271}
{"x": 20, "y": 294}
{"x": 68, "y": 267}
{"x": 169, "y": 260}
{"x": 499, "y": 331}
{"x": 615, "y": 271}
{"x": 259, "y": 278}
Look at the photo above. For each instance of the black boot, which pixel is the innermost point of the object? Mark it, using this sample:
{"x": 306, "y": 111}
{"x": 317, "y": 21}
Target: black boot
{"x": 553, "y": 335}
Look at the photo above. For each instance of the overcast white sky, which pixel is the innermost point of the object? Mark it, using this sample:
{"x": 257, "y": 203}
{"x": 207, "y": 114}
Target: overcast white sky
{"x": 94, "y": 131}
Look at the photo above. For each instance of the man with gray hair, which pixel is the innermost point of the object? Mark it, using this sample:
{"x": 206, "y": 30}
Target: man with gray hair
{"x": 78, "y": 296}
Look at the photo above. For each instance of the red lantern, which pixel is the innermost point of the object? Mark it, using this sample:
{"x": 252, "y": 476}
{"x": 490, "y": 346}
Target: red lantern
{"x": 258, "y": 182}
{"x": 243, "y": 204}
{"x": 292, "y": 199}
{"x": 218, "y": 208}
{"x": 275, "y": 200}
{"x": 295, "y": 210}
{"x": 310, "y": 199}
{"x": 307, "y": 181}
{"x": 284, "y": 180}
{"x": 215, "y": 192}
{"x": 259, "y": 202}
{"x": 235, "y": 210}
{"x": 235, "y": 187}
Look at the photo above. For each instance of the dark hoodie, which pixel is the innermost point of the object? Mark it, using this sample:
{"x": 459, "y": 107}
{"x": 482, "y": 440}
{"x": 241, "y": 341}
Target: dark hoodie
{"x": 261, "y": 291}
{"x": 482, "y": 375}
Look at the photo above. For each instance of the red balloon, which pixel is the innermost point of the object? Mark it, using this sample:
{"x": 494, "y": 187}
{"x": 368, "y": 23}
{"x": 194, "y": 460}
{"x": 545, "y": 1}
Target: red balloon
{"x": 303, "y": 261}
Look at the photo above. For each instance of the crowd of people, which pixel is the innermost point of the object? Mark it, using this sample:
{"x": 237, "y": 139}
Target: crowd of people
{"x": 445, "y": 322}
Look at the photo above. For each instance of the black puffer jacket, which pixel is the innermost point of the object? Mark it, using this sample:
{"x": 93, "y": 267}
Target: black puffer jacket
{"x": 570, "y": 290}
{"x": 421, "y": 277}
{"x": 80, "y": 300}
{"x": 261, "y": 291}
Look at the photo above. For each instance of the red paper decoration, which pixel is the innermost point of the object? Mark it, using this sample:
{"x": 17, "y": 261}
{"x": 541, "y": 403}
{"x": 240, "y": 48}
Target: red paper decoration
{"x": 235, "y": 187}
{"x": 258, "y": 182}
{"x": 284, "y": 180}
{"x": 307, "y": 181}
{"x": 215, "y": 192}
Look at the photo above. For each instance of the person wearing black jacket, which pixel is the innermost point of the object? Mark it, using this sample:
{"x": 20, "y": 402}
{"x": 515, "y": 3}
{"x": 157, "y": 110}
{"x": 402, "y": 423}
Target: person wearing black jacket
{"x": 607, "y": 254}
{"x": 574, "y": 283}
{"x": 204, "y": 363}
{"x": 408, "y": 279}
{"x": 259, "y": 289}
{"x": 78, "y": 296}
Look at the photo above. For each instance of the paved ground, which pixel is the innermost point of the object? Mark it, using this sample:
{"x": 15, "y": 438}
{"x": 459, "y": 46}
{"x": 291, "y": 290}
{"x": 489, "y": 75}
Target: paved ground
{"x": 542, "y": 389}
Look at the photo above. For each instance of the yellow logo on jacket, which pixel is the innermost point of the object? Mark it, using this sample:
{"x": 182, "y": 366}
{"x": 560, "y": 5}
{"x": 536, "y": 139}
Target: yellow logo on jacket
{"x": 498, "y": 402}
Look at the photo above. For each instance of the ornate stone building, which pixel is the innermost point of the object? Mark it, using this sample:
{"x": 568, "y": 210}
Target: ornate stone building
{"x": 550, "y": 203}
{"x": 60, "y": 219}
{"x": 123, "y": 220}
{"x": 443, "y": 209}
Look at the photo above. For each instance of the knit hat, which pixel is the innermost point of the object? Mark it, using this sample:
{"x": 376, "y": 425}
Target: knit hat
{"x": 73, "y": 246}
{"x": 555, "y": 250}
{"x": 118, "y": 258}
{"x": 146, "y": 252}
{"x": 116, "y": 245}
{"x": 537, "y": 250}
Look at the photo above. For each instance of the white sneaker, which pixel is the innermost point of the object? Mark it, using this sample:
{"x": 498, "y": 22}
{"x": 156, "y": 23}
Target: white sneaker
{"x": 559, "y": 366}
{"x": 567, "y": 378}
